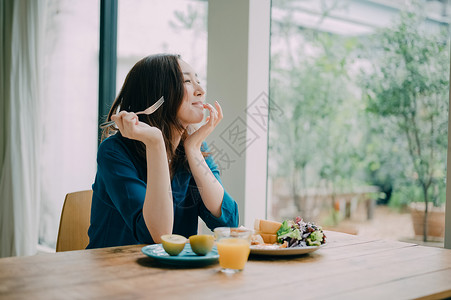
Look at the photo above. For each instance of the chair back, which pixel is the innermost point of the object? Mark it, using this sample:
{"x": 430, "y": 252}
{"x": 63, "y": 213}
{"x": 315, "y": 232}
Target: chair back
{"x": 74, "y": 222}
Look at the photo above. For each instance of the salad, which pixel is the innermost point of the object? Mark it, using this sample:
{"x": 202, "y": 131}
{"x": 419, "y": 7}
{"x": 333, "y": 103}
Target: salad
{"x": 297, "y": 233}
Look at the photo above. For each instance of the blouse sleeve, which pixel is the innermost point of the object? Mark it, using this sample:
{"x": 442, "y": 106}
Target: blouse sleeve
{"x": 229, "y": 209}
{"x": 125, "y": 189}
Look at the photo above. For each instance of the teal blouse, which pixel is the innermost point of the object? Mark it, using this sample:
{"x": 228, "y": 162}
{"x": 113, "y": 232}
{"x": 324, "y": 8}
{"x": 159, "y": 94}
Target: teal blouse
{"x": 118, "y": 197}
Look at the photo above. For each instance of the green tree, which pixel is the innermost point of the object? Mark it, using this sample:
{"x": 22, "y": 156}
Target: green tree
{"x": 407, "y": 87}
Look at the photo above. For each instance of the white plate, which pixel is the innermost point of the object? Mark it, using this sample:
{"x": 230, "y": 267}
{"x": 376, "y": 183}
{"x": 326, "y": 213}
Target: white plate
{"x": 284, "y": 251}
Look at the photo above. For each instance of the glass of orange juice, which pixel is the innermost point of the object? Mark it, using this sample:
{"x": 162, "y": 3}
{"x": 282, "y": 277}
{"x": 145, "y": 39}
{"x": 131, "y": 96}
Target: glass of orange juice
{"x": 233, "y": 248}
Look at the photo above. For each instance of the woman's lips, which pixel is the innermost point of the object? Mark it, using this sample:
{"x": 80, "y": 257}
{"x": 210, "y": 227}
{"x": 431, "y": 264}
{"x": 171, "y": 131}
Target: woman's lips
{"x": 198, "y": 103}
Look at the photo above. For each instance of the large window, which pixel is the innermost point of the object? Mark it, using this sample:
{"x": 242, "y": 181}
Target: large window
{"x": 364, "y": 87}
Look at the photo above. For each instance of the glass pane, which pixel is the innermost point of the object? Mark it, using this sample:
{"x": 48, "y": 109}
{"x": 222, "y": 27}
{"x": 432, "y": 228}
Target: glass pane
{"x": 364, "y": 87}
{"x": 70, "y": 95}
{"x": 148, "y": 27}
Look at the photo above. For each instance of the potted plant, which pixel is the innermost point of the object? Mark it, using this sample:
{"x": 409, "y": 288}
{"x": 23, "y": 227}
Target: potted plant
{"x": 407, "y": 86}
{"x": 411, "y": 196}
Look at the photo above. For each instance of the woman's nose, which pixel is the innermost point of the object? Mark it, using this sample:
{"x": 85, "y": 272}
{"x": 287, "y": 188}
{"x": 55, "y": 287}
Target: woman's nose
{"x": 199, "y": 91}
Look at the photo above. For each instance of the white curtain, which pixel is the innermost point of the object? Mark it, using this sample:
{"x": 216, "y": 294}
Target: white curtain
{"x": 21, "y": 63}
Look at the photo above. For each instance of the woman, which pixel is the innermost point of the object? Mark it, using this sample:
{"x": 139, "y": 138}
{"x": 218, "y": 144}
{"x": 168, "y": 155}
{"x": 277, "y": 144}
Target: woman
{"x": 154, "y": 175}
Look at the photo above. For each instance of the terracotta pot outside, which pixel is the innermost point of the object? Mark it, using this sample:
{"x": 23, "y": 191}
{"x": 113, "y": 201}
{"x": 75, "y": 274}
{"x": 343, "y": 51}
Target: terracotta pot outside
{"x": 436, "y": 220}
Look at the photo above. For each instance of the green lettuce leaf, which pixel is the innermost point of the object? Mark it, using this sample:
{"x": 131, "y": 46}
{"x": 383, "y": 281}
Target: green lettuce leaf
{"x": 294, "y": 233}
{"x": 315, "y": 238}
{"x": 284, "y": 229}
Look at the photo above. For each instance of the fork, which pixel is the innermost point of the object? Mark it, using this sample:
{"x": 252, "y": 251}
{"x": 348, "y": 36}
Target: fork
{"x": 150, "y": 110}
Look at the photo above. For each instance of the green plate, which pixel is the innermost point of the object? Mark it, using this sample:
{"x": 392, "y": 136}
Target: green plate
{"x": 186, "y": 258}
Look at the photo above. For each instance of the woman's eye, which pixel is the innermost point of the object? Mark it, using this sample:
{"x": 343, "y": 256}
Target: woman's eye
{"x": 187, "y": 81}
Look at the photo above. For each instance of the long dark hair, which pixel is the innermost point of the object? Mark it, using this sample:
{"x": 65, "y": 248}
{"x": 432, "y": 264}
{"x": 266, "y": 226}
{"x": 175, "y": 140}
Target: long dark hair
{"x": 149, "y": 79}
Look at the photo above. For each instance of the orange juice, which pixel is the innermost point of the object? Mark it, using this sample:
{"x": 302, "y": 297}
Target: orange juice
{"x": 233, "y": 253}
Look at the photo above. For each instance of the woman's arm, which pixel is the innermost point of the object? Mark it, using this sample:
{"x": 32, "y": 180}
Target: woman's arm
{"x": 229, "y": 208}
{"x": 158, "y": 207}
{"x": 158, "y": 210}
{"x": 211, "y": 191}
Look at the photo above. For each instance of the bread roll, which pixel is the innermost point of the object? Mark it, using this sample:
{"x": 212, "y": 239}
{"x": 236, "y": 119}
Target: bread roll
{"x": 268, "y": 238}
{"x": 267, "y": 226}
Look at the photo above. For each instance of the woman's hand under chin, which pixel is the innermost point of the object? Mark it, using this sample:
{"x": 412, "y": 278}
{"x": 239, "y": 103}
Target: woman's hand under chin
{"x": 194, "y": 141}
{"x": 131, "y": 128}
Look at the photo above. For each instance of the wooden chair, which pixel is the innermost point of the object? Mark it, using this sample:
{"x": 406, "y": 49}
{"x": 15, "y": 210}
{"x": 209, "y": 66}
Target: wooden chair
{"x": 74, "y": 222}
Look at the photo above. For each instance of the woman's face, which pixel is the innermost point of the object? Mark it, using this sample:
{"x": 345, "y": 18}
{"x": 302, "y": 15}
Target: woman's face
{"x": 191, "y": 110}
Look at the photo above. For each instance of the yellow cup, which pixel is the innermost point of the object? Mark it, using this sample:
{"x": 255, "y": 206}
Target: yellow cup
{"x": 233, "y": 248}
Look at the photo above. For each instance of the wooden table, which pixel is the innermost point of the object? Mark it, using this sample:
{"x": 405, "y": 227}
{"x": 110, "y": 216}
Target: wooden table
{"x": 348, "y": 267}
